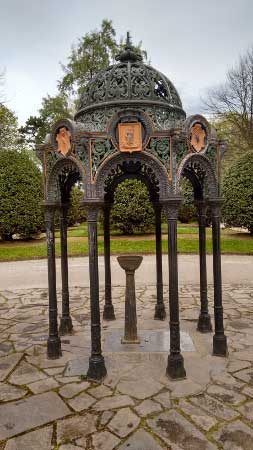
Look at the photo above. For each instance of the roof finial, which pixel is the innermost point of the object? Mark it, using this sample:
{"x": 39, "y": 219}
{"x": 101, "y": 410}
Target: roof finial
{"x": 128, "y": 40}
{"x": 129, "y": 53}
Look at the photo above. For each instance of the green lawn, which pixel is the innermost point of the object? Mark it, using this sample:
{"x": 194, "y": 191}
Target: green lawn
{"x": 79, "y": 247}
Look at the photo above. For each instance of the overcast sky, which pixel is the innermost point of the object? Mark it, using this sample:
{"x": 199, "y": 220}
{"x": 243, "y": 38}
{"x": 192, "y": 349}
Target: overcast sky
{"x": 193, "y": 42}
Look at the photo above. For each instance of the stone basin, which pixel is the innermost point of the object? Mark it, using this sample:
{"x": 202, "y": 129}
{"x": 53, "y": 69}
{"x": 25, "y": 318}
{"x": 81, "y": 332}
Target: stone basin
{"x": 129, "y": 262}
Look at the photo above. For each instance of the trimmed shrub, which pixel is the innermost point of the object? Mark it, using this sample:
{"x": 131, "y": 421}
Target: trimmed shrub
{"x": 20, "y": 195}
{"x": 237, "y": 186}
{"x": 132, "y": 210}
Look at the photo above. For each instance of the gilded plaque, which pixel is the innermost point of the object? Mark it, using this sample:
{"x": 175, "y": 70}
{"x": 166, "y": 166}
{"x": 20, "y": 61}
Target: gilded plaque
{"x": 198, "y": 137}
{"x": 63, "y": 139}
{"x": 130, "y": 137}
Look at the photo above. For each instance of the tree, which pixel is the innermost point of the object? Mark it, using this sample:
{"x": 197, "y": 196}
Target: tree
{"x": 76, "y": 212}
{"x": 20, "y": 195}
{"x": 52, "y": 109}
{"x": 232, "y": 102}
{"x": 238, "y": 193}
{"x": 132, "y": 210}
{"x": 9, "y": 136}
{"x": 187, "y": 211}
{"x": 94, "y": 52}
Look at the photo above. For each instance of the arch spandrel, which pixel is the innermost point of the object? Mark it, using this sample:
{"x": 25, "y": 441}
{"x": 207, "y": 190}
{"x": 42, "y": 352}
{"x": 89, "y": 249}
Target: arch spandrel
{"x": 139, "y": 165}
{"x": 200, "y": 171}
{"x": 73, "y": 170}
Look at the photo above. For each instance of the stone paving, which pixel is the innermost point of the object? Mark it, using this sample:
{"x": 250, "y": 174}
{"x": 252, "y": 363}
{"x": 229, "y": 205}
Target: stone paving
{"x": 48, "y": 405}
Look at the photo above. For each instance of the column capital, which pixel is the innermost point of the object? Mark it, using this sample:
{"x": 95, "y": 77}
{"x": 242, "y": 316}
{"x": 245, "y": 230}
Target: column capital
{"x": 215, "y": 202}
{"x": 92, "y": 207}
{"x": 50, "y": 206}
{"x": 171, "y": 207}
{"x": 215, "y": 205}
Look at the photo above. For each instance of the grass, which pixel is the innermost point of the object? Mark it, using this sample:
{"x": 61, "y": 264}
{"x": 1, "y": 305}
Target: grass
{"x": 230, "y": 243}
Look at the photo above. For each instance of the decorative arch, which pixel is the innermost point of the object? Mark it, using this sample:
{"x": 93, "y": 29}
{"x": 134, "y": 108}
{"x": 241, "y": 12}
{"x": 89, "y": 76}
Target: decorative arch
{"x": 199, "y": 170}
{"x": 142, "y": 166}
{"x": 64, "y": 173}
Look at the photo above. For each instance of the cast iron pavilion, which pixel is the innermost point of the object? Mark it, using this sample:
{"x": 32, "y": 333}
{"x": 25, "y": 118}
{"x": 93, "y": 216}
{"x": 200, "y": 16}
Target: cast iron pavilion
{"x": 131, "y": 124}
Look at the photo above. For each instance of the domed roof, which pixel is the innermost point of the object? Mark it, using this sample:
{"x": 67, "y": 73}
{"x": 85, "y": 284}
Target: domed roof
{"x": 130, "y": 81}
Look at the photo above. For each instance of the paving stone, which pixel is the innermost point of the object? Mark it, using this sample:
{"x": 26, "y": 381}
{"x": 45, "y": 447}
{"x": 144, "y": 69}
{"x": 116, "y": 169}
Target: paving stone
{"x": 226, "y": 380}
{"x": 70, "y": 390}
{"x": 8, "y": 392}
{"x": 147, "y": 407}
{"x": 100, "y": 391}
{"x": 104, "y": 441}
{"x": 65, "y": 380}
{"x": 235, "y": 436}
{"x": 183, "y": 388}
{"x": 106, "y": 416}
{"x": 75, "y": 427}
{"x": 164, "y": 398}
{"x": 117, "y": 401}
{"x": 140, "y": 389}
{"x": 7, "y": 364}
{"x": 234, "y": 366}
{"x": 226, "y": 395}
{"x": 247, "y": 411}
{"x": 25, "y": 374}
{"x": 140, "y": 440}
{"x": 248, "y": 391}
{"x": 124, "y": 422}
{"x": 214, "y": 407}
{"x": 200, "y": 417}
{"x": 35, "y": 440}
{"x": 81, "y": 402}
{"x": 247, "y": 355}
{"x": 245, "y": 375}
{"x": 178, "y": 432}
{"x": 54, "y": 371}
{"x": 23, "y": 415}
{"x": 43, "y": 385}
{"x": 70, "y": 447}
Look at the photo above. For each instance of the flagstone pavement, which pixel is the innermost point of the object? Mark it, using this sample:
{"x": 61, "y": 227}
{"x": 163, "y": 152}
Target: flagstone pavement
{"x": 45, "y": 405}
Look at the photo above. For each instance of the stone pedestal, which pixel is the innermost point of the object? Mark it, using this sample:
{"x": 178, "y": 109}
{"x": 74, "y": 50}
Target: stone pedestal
{"x": 130, "y": 264}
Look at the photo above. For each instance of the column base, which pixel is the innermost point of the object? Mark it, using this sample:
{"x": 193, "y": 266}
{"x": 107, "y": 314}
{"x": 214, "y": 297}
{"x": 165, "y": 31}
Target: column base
{"x": 204, "y": 323}
{"x": 220, "y": 347}
{"x": 54, "y": 348}
{"x": 175, "y": 368}
{"x": 66, "y": 326}
{"x": 160, "y": 313}
{"x": 108, "y": 313}
{"x": 97, "y": 370}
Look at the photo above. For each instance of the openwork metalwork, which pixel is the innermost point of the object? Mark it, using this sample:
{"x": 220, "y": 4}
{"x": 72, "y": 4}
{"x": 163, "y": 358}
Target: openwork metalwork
{"x": 171, "y": 147}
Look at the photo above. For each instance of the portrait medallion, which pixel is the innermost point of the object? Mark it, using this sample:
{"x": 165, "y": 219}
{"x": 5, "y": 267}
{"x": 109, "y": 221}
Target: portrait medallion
{"x": 63, "y": 139}
{"x": 198, "y": 137}
{"x": 130, "y": 137}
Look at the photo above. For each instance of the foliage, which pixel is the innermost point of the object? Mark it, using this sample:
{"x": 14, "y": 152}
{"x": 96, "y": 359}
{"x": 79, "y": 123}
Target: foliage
{"x": 232, "y": 102}
{"x": 76, "y": 212}
{"x": 9, "y": 136}
{"x": 20, "y": 195}
{"x": 238, "y": 193}
{"x": 37, "y": 127}
{"x": 94, "y": 52}
{"x": 187, "y": 212}
{"x": 132, "y": 210}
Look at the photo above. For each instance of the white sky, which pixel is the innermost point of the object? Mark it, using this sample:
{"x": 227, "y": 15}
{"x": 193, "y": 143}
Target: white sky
{"x": 193, "y": 42}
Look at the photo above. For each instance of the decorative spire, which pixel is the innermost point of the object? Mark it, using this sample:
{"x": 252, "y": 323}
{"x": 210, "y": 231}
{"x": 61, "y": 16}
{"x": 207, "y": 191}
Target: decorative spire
{"x": 129, "y": 53}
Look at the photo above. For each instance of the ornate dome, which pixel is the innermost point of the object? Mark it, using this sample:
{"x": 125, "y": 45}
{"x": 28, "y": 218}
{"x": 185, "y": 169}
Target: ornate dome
{"x": 130, "y": 83}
